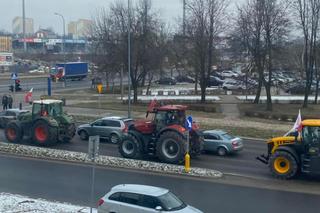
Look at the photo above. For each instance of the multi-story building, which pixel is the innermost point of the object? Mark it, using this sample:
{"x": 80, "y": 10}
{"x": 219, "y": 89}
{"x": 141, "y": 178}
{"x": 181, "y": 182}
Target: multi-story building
{"x": 80, "y": 28}
{"x": 17, "y": 25}
{"x": 5, "y": 44}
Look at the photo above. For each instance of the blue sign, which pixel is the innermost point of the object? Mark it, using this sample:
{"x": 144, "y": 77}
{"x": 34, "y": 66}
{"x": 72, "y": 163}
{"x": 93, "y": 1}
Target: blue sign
{"x": 188, "y": 124}
{"x": 14, "y": 76}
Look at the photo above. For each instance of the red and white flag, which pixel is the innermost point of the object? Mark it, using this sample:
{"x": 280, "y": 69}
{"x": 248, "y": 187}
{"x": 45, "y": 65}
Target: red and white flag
{"x": 297, "y": 125}
{"x": 28, "y": 96}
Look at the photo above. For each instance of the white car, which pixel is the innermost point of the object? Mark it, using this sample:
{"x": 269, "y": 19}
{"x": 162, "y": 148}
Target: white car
{"x": 233, "y": 85}
{"x": 134, "y": 198}
{"x": 229, "y": 74}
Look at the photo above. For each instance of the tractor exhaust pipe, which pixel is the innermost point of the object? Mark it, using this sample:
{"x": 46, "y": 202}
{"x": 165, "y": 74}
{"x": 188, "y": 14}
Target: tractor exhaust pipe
{"x": 262, "y": 158}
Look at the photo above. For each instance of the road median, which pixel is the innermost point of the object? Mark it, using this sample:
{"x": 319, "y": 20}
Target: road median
{"x": 80, "y": 157}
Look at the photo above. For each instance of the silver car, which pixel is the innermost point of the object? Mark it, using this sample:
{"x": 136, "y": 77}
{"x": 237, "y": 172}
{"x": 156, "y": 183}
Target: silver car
{"x": 110, "y": 128}
{"x": 221, "y": 142}
{"x": 142, "y": 199}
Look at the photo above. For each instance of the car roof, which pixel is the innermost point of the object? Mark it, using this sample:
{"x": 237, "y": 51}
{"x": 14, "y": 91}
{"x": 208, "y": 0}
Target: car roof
{"x": 116, "y": 118}
{"x": 215, "y": 131}
{"x": 17, "y": 110}
{"x": 140, "y": 189}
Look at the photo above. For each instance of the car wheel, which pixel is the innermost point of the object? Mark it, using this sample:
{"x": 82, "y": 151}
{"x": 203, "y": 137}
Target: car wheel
{"x": 83, "y": 135}
{"x": 114, "y": 138}
{"x": 222, "y": 151}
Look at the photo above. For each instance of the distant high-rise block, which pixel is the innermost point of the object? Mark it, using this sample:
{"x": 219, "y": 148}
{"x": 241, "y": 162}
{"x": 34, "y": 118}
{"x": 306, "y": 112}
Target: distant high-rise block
{"x": 17, "y": 25}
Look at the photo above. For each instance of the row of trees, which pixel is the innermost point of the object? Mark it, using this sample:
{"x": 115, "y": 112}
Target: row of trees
{"x": 261, "y": 29}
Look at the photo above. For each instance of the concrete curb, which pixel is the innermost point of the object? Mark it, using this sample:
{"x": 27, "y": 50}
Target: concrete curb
{"x": 79, "y": 157}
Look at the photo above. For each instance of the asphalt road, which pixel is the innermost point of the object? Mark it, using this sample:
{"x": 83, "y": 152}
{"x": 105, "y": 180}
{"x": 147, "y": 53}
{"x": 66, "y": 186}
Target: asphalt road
{"x": 40, "y": 84}
{"x": 243, "y": 163}
{"x": 71, "y": 183}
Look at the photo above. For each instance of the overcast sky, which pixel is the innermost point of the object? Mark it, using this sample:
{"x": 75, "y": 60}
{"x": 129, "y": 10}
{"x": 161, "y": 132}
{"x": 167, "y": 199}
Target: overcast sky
{"x": 42, "y": 11}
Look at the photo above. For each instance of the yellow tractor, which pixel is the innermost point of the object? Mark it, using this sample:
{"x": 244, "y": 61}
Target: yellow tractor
{"x": 298, "y": 152}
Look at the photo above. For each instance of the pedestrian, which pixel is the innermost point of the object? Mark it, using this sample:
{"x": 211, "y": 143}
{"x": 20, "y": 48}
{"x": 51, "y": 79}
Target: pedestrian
{"x": 4, "y": 102}
{"x": 10, "y": 100}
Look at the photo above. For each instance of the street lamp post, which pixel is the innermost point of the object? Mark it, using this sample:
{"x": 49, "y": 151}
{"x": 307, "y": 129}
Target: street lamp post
{"x": 24, "y": 26}
{"x": 64, "y": 30}
{"x": 63, "y": 44}
{"x": 129, "y": 59}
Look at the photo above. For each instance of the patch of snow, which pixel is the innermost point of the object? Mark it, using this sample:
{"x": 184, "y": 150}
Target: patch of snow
{"x": 63, "y": 155}
{"x": 11, "y": 203}
{"x": 180, "y": 97}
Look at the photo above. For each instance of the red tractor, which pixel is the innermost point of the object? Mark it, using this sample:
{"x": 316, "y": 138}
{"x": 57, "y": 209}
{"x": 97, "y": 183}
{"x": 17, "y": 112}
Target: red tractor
{"x": 164, "y": 136}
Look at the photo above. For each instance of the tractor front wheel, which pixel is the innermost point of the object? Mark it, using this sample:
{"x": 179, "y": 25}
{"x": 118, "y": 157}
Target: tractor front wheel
{"x": 130, "y": 147}
{"x": 283, "y": 165}
{"x": 13, "y": 132}
{"x": 171, "y": 147}
{"x": 43, "y": 134}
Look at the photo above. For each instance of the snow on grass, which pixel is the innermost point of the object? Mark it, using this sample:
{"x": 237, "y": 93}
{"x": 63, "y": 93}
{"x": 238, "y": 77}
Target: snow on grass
{"x": 177, "y": 98}
{"x": 10, "y": 203}
{"x": 274, "y": 98}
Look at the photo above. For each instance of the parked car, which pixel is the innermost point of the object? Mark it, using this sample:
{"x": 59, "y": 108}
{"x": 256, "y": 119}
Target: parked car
{"x": 185, "y": 78}
{"x": 233, "y": 85}
{"x": 221, "y": 142}
{"x": 167, "y": 81}
{"x": 111, "y": 128}
{"x": 8, "y": 115}
{"x": 229, "y": 74}
{"x": 135, "y": 198}
{"x": 214, "y": 81}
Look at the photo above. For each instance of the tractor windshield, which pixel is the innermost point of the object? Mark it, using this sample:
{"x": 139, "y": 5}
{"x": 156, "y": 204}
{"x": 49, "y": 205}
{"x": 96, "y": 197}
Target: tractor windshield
{"x": 55, "y": 109}
{"x": 311, "y": 134}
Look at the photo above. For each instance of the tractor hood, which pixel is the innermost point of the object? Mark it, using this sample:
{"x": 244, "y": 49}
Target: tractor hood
{"x": 144, "y": 126}
{"x": 283, "y": 139}
{"x": 65, "y": 119}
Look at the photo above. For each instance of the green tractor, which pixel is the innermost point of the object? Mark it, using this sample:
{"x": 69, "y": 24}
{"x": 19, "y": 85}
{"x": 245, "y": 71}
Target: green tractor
{"x": 45, "y": 125}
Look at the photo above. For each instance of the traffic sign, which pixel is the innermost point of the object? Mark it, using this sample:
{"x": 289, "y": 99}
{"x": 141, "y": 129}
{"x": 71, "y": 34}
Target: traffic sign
{"x": 93, "y": 149}
{"x": 14, "y": 76}
{"x": 188, "y": 123}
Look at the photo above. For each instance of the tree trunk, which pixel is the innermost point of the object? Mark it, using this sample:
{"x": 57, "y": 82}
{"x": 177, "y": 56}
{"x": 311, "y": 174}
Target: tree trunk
{"x": 257, "y": 98}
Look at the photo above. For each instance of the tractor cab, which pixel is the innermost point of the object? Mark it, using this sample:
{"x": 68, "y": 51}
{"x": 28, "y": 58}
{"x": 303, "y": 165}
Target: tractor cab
{"x": 169, "y": 115}
{"x": 52, "y": 108}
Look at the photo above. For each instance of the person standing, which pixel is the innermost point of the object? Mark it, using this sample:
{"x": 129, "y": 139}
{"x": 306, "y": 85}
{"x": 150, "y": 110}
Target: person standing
{"x": 4, "y": 102}
{"x": 10, "y": 100}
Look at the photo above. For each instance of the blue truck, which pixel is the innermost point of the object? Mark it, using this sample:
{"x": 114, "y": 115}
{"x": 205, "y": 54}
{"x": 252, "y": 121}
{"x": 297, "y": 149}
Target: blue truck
{"x": 69, "y": 71}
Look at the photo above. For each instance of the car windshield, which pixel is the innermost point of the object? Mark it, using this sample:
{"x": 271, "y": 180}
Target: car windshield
{"x": 227, "y": 136}
{"x": 170, "y": 202}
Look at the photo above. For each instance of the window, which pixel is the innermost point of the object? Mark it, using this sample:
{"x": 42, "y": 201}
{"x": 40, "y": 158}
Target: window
{"x": 170, "y": 202}
{"x": 111, "y": 123}
{"x": 148, "y": 202}
{"x": 97, "y": 123}
{"x": 115, "y": 196}
{"x": 130, "y": 198}
{"x": 211, "y": 137}
{"x": 228, "y": 137}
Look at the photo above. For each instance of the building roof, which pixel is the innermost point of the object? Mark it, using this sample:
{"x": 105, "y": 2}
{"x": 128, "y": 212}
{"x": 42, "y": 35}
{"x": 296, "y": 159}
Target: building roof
{"x": 47, "y": 101}
{"x": 311, "y": 122}
{"x": 140, "y": 189}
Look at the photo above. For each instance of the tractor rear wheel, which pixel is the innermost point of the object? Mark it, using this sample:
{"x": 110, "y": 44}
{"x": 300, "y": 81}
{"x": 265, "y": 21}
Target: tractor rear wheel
{"x": 13, "y": 132}
{"x": 283, "y": 165}
{"x": 130, "y": 147}
{"x": 171, "y": 147}
{"x": 43, "y": 134}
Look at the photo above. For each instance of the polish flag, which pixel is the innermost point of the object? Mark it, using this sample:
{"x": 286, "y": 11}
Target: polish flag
{"x": 152, "y": 104}
{"x": 297, "y": 127}
{"x": 28, "y": 96}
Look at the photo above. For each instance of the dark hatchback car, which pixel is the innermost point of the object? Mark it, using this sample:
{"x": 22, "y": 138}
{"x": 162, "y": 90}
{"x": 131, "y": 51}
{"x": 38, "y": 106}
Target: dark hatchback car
{"x": 110, "y": 128}
{"x": 9, "y": 115}
{"x": 167, "y": 81}
{"x": 185, "y": 78}
{"x": 214, "y": 81}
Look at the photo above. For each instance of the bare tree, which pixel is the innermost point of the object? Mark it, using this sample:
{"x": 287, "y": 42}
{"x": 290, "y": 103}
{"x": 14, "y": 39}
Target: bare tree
{"x": 308, "y": 12}
{"x": 262, "y": 25}
{"x": 111, "y": 33}
{"x": 206, "y": 19}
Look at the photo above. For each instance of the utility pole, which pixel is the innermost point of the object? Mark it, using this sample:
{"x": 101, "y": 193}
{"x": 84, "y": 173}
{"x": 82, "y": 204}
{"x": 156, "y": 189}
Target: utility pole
{"x": 184, "y": 18}
{"x": 129, "y": 59}
{"x": 24, "y": 26}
